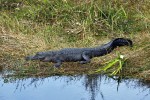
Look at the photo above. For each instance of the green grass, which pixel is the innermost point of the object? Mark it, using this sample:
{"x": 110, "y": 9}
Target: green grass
{"x": 117, "y": 63}
{"x": 29, "y": 26}
{"x": 95, "y": 17}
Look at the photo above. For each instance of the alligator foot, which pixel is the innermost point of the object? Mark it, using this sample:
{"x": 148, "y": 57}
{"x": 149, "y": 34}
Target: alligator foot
{"x": 58, "y": 63}
{"x": 84, "y": 62}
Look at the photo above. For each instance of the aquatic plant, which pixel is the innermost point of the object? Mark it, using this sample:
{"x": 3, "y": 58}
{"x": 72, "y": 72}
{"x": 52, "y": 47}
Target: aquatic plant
{"x": 118, "y": 63}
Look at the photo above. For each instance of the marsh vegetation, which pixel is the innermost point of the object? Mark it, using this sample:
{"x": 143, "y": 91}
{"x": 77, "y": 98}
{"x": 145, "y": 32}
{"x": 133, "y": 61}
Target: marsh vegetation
{"x": 29, "y": 26}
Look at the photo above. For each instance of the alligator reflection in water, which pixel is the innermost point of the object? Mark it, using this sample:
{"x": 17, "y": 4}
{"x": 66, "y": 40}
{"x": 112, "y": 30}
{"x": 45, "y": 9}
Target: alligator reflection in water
{"x": 84, "y": 87}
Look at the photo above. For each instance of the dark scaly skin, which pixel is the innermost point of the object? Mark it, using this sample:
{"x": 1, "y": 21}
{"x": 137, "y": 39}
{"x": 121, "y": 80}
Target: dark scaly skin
{"x": 78, "y": 54}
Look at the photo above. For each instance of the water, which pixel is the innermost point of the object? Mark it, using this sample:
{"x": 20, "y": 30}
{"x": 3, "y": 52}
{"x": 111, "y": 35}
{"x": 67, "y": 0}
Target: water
{"x": 96, "y": 87}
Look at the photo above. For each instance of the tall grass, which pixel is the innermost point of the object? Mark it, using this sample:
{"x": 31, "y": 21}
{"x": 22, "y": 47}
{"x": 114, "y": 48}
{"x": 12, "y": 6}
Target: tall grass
{"x": 77, "y": 18}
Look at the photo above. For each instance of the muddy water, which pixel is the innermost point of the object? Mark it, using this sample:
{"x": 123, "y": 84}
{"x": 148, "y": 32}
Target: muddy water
{"x": 96, "y": 87}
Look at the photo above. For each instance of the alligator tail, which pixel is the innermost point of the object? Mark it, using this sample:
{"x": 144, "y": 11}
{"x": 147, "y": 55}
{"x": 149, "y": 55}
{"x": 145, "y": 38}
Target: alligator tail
{"x": 122, "y": 42}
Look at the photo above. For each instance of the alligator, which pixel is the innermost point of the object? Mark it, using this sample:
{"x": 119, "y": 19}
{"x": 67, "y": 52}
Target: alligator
{"x": 83, "y": 55}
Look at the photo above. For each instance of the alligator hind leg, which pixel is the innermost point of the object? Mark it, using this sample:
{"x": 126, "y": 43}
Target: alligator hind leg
{"x": 86, "y": 58}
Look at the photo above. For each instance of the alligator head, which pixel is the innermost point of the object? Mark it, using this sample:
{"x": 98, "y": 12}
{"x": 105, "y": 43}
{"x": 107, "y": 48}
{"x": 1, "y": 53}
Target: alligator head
{"x": 42, "y": 56}
{"x": 37, "y": 56}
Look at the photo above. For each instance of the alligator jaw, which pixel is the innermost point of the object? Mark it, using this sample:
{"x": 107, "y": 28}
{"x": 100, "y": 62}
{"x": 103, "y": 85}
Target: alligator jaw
{"x": 30, "y": 58}
{"x": 34, "y": 58}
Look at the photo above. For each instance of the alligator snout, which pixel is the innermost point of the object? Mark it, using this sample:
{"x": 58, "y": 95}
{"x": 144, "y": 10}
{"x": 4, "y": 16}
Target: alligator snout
{"x": 35, "y": 57}
{"x": 29, "y": 58}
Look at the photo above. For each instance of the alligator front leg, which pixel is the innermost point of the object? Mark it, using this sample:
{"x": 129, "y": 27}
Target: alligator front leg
{"x": 58, "y": 63}
{"x": 86, "y": 58}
